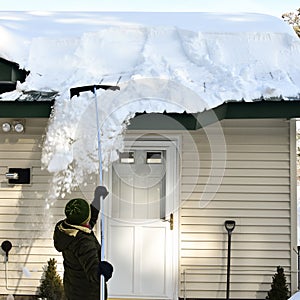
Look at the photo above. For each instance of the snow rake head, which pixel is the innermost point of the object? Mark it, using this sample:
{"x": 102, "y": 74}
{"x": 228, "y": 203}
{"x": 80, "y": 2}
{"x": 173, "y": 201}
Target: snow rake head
{"x": 91, "y": 88}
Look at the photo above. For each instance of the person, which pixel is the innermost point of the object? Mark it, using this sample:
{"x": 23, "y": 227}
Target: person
{"x": 81, "y": 250}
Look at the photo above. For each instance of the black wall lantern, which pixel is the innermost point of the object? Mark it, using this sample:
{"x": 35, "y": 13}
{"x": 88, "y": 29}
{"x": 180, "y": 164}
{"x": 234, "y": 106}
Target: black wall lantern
{"x": 229, "y": 225}
{"x": 18, "y": 175}
{"x": 6, "y": 246}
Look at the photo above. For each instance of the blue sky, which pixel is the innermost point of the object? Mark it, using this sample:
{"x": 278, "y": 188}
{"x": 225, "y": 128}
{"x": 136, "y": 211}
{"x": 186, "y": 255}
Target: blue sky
{"x": 273, "y": 7}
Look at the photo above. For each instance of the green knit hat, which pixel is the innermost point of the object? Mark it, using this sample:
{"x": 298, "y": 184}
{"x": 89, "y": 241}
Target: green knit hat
{"x": 77, "y": 211}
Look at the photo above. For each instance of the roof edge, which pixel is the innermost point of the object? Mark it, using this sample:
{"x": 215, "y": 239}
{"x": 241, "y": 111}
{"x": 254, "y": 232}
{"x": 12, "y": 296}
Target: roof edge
{"x": 157, "y": 121}
{"x": 26, "y": 109}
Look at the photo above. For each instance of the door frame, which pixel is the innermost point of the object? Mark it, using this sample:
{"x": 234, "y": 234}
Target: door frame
{"x": 172, "y": 144}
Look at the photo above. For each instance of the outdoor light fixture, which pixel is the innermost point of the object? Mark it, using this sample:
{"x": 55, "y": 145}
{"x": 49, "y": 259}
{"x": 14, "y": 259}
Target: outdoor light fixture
{"x": 18, "y": 176}
{"x": 6, "y": 247}
{"x": 6, "y": 127}
{"x": 19, "y": 127}
{"x": 13, "y": 126}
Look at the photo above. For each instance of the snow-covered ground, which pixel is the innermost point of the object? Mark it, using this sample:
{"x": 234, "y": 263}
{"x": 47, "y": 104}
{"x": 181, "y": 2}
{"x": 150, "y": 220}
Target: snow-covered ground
{"x": 296, "y": 296}
{"x": 170, "y": 62}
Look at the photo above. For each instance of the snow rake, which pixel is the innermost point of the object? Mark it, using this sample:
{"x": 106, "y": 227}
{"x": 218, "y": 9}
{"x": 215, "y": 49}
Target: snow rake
{"x": 76, "y": 92}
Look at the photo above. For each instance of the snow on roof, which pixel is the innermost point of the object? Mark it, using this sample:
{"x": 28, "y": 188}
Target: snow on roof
{"x": 61, "y": 24}
{"x": 170, "y": 62}
{"x": 219, "y": 56}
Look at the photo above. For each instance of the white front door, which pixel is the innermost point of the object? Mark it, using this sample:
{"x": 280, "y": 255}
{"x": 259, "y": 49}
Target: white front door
{"x": 141, "y": 232}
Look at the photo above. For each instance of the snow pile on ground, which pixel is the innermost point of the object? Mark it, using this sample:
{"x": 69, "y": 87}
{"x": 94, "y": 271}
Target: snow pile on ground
{"x": 194, "y": 60}
{"x": 295, "y": 296}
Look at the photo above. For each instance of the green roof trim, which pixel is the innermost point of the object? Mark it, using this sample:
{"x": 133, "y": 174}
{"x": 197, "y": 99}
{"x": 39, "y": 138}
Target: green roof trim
{"x": 262, "y": 109}
{"x": 25, "y": 109}
{"x": 162, "y": 121}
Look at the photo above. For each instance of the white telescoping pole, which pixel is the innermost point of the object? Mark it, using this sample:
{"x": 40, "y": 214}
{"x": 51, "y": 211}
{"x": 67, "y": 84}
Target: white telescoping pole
{"x": 101, "y": 219}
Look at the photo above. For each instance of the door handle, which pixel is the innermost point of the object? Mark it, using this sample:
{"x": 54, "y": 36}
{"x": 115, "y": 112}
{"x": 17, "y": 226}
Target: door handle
{"x": 171, "y": 221}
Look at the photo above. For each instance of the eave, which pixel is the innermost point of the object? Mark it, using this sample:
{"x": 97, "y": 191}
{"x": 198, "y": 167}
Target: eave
{"x": 26, "y": 109}
{"x": 264, "y": 109}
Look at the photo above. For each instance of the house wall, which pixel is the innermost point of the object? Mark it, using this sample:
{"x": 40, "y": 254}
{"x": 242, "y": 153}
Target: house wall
{"x": 254, "y": 191}
{"x": 24, "y": 219}
{"x": 250, "y": 185}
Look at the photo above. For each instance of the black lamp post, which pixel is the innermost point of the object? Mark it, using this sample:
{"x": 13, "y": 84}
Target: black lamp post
{"x": 229, "y": 225}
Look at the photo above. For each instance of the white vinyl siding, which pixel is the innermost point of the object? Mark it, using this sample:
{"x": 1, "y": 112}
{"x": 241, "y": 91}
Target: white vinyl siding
{"x": 24, "y": 219}
{"x": 254, "y": 191}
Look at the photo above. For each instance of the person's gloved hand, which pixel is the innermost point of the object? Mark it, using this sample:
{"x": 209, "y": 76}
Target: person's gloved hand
{"x": 105, "y": 269}
{"x": 99, "y": 191}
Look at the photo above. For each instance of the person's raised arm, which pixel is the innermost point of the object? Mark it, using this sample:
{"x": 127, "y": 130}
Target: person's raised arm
{"x": 95, "y": 204}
